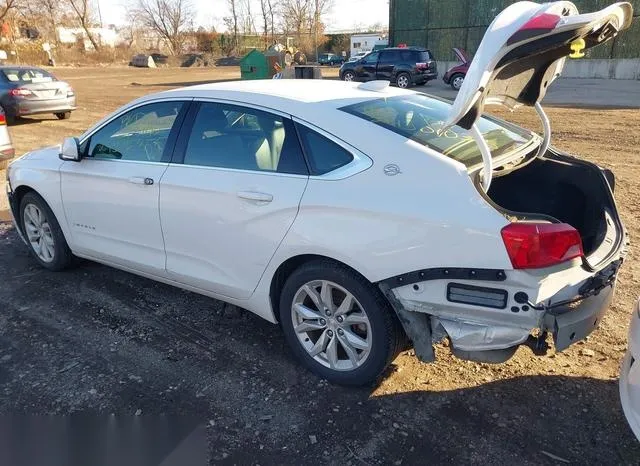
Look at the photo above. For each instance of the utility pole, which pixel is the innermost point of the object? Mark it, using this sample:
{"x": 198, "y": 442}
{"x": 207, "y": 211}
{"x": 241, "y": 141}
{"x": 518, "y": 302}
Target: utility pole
{"x": 316, "y": 31}
{"x": 99, "y": 13}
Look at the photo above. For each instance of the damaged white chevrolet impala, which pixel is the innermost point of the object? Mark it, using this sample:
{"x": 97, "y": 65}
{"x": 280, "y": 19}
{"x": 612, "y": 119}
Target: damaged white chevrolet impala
{"x": 358, "y": 216}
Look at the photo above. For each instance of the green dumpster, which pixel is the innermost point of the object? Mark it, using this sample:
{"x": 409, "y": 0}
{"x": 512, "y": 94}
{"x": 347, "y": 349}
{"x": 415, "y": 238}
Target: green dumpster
{"x": 254, "y": 65}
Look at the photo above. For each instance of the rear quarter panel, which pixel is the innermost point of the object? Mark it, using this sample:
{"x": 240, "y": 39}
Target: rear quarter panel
{"x": 429, "y": 215}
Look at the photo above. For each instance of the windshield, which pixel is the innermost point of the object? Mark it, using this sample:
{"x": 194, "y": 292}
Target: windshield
{"x": 421, "y": 118}
{"x": 27, "y": 75}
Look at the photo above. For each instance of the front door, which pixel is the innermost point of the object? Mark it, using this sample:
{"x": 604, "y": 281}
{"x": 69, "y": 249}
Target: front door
{"x": 368, "y": 67}
{"x": 230, "y": 196}
{"x": 111, "y": 196}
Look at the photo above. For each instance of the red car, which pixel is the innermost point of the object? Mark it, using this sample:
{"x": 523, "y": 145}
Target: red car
{"x": 455, "y": 75}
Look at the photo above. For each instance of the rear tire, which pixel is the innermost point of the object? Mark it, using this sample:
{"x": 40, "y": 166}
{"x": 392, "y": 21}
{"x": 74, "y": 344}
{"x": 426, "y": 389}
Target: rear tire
{"x": 365, "y": 333}
{"x": 63, "y": 115}
{"x": 403, "y": 80}
{"x": 8, "y": 117}
{"x": 39, "y": 222}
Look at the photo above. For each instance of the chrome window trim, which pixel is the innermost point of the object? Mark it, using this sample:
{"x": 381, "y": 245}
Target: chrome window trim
{"x": 238, "y": 170}
{"x": 238, "y": 103}
{"x": 360, "y": 162}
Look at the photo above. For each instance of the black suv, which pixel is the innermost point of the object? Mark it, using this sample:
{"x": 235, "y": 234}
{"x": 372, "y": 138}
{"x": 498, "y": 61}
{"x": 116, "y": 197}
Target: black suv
{"x": 403, "y": 66}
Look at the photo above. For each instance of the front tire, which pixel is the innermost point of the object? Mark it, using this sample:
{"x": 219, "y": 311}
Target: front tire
{"x": 43, "y": 233}
{"x": 348, "y": 76}
{"x": 337, "y": 324}
{"x": 456, "y": 81}
{"x": 63, "y": 115}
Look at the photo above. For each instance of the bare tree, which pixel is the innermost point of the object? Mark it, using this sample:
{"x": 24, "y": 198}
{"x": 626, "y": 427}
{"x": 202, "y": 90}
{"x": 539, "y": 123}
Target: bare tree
{"x": 272, "y": 13}
{"x": 264, "y": 7}
{"x": 232, "y": 22}
{"x": 84, "y": 13}
{"x": 168, "y": 18}
{"x": 247, "y": 16}
{"x": 6, "y": 6}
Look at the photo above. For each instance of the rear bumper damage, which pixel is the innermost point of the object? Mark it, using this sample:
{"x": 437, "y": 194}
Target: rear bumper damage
{"x": 502, "y": 318}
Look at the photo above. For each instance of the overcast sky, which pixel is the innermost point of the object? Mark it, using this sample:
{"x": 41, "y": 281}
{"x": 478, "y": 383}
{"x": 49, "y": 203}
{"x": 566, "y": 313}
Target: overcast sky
{"x": 345, "y": 13}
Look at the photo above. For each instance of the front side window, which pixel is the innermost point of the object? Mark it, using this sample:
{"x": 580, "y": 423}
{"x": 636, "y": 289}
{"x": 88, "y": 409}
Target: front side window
{"x": 371, "y": 59}
{"x": 230, "y": 136}
{"x": 139, "y": 135}
{"x": 323, "y": 154}
{"x": 421, "y": 119}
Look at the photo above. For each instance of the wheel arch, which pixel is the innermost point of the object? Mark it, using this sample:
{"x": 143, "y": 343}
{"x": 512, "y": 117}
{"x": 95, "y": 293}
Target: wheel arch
{"x": 286, "y": 268}
{"x": 19, "y": 192}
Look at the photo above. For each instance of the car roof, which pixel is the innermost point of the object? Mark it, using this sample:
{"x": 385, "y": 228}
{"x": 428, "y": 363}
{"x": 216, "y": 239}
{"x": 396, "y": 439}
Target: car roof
{"x": 417, "y": 49}
{"x": 291, "y": 96}
{"x": 19, "y": 67}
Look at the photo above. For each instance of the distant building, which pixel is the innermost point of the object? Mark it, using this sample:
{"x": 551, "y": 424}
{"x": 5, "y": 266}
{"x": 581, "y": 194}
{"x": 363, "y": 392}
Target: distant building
{"x": 107, "y": 37}
{"x": 367, "y": 42}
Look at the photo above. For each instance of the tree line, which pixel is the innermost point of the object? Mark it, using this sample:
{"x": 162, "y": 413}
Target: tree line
{"x": 172, "y": 21}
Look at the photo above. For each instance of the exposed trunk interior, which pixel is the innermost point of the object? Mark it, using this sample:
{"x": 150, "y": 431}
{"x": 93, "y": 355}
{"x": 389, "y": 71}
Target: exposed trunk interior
{"x": 569, "y": 190}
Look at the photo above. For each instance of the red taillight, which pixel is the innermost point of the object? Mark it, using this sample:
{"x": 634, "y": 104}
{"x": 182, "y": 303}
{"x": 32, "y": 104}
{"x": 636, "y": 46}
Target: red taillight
{"x": 3, "y": 119}
{"x": 544, "y": 21}
{"x": 536, "y": 245}
{"x": 20, "y": 92}
{"x": 422, "y": 66}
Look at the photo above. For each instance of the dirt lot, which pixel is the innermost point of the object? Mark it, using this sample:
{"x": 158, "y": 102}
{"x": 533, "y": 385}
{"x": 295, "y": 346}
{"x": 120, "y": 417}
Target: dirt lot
{"x": 100, "y": 340}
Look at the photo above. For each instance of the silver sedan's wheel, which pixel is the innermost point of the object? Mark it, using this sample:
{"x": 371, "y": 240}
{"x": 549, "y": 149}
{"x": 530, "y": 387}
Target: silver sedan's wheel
{"x": 39, "y": 234}
{"x": 403, "y": 81}
{"x": 331, "y": 325}
{"x": 457, "y": 81}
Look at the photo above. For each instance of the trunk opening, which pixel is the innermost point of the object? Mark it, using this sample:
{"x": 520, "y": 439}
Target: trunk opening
{"x": 561, "y": 188}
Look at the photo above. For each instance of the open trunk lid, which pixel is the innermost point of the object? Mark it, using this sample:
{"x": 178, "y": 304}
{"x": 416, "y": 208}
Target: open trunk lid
{"x": 461, "y": 55}
{"x": 524, "y": 50}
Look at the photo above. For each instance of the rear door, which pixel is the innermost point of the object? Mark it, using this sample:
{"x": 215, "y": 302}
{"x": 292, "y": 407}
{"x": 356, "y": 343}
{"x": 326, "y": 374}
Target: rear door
{"x": 524, "y": 50}
{"x": 229, "y": 196}
{"x": 387, "y": 63}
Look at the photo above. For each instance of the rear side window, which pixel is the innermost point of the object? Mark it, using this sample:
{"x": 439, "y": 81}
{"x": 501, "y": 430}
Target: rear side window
{"x": 323, "y": 154}
{"x": 389, "y": 56}
{"x": 424, "y": 57}
{"x": 241, "y": 138}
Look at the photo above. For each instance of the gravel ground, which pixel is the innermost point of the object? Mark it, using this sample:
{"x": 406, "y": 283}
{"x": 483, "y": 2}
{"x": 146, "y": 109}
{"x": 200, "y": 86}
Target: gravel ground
{"x": 101, "y": 341}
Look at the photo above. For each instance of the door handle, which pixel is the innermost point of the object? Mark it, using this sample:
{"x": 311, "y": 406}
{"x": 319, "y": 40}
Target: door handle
{"x": 141, "y": 180}
{"x": 255, "y": 196}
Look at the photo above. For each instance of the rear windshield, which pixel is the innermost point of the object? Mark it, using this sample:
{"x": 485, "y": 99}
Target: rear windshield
{"x": 27, "y": 75}
{"x": 420, "y": 118}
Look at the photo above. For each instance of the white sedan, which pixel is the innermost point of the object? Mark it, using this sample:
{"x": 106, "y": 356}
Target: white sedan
{"x": 630, "y": 375}
{"x": 358, "y": 216}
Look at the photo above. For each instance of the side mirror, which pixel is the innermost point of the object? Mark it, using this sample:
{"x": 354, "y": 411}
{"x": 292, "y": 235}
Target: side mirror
{"x": 69, "y": 150}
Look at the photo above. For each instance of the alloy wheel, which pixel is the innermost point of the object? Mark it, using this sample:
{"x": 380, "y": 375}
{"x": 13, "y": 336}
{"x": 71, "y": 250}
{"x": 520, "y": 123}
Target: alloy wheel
{"x": 348, "y": 76}
{"x": 39, "y": 233}
{"x": 457, "y": 82}
{"x": 331, "y": 325}
{"x": 403, "y": 81}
